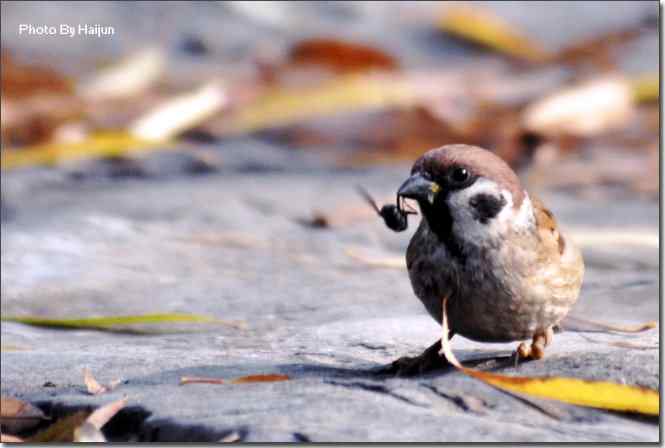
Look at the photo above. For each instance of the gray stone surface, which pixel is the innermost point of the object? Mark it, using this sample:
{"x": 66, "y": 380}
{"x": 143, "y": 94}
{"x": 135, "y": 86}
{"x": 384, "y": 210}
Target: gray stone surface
{"x": 229, "y": 245}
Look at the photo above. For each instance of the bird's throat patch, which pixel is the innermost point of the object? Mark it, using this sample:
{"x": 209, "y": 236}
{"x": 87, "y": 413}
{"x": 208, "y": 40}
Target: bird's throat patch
{"x": 486, "y": 206}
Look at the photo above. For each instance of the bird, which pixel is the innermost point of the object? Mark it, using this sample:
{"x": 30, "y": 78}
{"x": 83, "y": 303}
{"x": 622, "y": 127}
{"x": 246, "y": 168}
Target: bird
{"x": 492, "y": 249}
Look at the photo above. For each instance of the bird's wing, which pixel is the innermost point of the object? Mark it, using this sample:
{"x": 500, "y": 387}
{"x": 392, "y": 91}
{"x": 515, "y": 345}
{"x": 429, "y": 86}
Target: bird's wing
{"x": 560, "y": 260}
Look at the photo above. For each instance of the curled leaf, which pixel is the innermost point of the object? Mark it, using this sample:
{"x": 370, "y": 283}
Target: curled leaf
{"x": 597, "y": 394}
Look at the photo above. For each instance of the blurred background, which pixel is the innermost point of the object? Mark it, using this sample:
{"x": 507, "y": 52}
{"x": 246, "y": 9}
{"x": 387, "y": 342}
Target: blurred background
{"x": 565, "y": 90}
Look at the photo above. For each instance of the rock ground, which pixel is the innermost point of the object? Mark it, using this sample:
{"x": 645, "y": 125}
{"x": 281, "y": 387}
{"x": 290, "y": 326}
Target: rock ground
{"x": 230, "y": 245}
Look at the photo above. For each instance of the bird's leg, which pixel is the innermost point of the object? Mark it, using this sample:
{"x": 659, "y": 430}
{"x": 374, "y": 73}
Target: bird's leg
{"x": 537, "y": 348}
{"x": 427, "y": 361}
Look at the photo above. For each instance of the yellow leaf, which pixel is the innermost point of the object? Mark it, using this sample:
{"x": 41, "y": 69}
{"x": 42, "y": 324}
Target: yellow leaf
{"x": 116, "y": 323}
{"x": 281, "y": 107}
{"x": 646, "y": 88}
{"x": 485, "y": 28}
{"x": 597, "y": 394}
{"x": 105, "y": 144}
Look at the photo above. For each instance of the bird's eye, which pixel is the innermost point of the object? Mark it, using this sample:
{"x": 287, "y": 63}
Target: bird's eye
{"x": 459, "y": 175}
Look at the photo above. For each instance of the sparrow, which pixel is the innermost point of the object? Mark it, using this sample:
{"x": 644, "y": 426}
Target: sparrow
{"x": 491, "y": 248}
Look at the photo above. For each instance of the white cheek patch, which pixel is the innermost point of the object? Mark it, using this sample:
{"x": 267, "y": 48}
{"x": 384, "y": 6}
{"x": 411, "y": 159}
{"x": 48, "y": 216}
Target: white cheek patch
{"x": 467, "y": 227}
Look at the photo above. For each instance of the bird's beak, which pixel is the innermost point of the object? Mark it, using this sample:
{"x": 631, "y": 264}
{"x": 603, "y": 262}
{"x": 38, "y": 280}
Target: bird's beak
{"x": 418, "y": 188}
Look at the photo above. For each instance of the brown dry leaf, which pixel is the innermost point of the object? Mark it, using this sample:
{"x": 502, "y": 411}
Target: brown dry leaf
{"x": 483, "y": 27}
{"x": 21, "y": 81}
{"x": 586, "y": 110}
{"x": 6, "y": 438}
{"x": 597, "y": 394}
{"x": 17, "y": 415}
{"x": 269, "y": 378}
{"x": 201, "y": 380}
{"x": 62, "y": 431}
{"x": 340, "y": 56}
{"x": 384, "y": 262}
{"x": 598, "y": 49}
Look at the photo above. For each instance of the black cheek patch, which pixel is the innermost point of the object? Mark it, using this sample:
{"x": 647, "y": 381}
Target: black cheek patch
{"x": 485, "y": 206}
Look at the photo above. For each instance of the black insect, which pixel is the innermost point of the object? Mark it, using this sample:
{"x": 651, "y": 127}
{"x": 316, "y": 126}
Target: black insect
{"x": 394, "y": 215}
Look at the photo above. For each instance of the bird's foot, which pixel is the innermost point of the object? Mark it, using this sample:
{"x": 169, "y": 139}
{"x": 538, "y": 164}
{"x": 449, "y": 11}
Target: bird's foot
{"x": 428, "y": 361}
{"x": 537, "y": 348}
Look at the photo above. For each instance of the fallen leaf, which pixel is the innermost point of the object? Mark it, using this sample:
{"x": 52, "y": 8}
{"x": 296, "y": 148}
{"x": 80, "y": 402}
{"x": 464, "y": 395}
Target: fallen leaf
{"x": 127, "y": 78}
{"x": 384, "y": 262}
{"x": 646, "y": 88}
{"x": 87, "y": 433}
{"x": 107, "y": 144}
{"x": 598, "y": 49}
{"x": 17, "y": 415}
{"x": 571, "y": 323}
{"x": 62, "y": 431}
{"x": 280, "y": 107}
{"x": 270, "y": 378}
{"x": 103, "y": 414}
{"x": 231, "y": 437}
{"x": 23, "y": 80}
{"x": 94, "y": 388}
{"x": 181, "y": 113}
{"x": 6, "y": 438}
{"x": 591, "y": 108}
{"x": 597, "y": 394}
{"x": 116, "y": 323}
{"x": 483, "y": 27}
{"x": 341, "y": 56}
{"x": 201, "y": 380}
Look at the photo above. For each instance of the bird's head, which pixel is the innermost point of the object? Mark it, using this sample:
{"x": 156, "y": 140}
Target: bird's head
{"x": 467, "y": 190}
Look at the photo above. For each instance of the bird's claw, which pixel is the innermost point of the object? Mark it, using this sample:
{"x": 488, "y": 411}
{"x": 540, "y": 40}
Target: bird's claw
{"x": 536, "y": 350}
